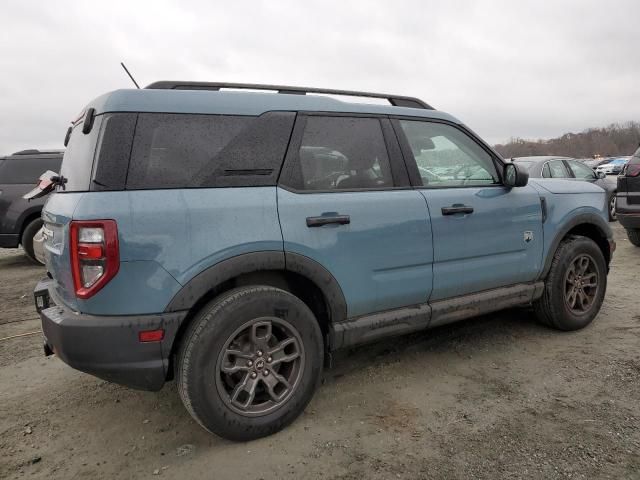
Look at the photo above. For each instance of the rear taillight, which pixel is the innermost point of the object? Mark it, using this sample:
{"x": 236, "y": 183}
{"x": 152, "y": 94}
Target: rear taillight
{"x": 632, "y": 170}
{"x": 95, "y": 257}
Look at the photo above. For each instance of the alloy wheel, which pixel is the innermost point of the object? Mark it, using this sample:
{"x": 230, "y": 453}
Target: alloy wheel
{"x": 260, "y": 366}
{"x": 581, "y": 284}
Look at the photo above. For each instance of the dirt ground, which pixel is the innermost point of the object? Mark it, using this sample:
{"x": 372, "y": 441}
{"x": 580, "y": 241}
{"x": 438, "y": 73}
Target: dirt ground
{"x": 494, "y": 397}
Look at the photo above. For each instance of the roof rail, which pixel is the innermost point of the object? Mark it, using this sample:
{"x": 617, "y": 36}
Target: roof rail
{"x": 395, "y": 100}
{"x": 33, "y": 151}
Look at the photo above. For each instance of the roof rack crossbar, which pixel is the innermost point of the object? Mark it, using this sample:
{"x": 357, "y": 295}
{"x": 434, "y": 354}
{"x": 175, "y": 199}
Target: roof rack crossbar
{"x": 395, "y": 100}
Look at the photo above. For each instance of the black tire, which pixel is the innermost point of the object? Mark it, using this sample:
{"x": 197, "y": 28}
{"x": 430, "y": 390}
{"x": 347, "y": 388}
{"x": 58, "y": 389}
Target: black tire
{"x": 611, "y": 204}
{"x": 27, "y": 239}
{"x": 553, "y": 307}
{"x": 634, "y": 236}
{"x": 202, "y": 383}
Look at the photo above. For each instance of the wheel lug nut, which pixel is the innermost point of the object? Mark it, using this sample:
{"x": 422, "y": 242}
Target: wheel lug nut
{"x": 254, "y": 374}
{"x": 265, "y": 372}
{"x": 259, "y": 353}
{"x": 269, "y": 359}
{"x": 250, "y": 363}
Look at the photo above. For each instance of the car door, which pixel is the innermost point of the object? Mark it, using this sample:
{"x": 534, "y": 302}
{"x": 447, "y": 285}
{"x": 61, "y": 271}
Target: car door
{"x": 485, "y": 235}
{"x": 344, "y": 201}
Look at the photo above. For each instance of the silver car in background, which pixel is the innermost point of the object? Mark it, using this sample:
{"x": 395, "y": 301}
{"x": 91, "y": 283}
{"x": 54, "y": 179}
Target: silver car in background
{"x": 570, "y": 169}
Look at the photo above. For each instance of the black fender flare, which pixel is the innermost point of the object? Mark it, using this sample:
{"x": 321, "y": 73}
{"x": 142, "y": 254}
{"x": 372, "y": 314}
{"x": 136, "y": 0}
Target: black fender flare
{"x": 581, "y": 219}
{"x": 219, "y": 273}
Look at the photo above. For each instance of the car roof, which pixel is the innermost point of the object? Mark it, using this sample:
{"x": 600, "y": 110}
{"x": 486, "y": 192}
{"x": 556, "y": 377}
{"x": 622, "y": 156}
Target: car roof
{"x": 242, "y": 103}
{"x": 33, "y": 153}
{"x": 540, "y": 158}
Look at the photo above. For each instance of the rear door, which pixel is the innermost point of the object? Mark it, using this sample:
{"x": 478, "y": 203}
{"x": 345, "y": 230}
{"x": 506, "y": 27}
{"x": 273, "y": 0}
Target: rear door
{"x": 344, "y": 200}
{"x": 485, "y": 235}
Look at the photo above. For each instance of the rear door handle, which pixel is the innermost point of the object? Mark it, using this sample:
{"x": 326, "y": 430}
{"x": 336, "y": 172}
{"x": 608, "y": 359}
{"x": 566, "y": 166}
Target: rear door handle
{"x": 326, "y": 220}
{"x": 456, "y": 208}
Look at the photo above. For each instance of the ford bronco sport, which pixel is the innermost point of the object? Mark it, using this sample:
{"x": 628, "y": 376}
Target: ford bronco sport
{"x": 233, "y": 239}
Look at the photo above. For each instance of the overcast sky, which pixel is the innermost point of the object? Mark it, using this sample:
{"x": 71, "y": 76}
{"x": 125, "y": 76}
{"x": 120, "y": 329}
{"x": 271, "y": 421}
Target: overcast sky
{"x": 530, "y": 69}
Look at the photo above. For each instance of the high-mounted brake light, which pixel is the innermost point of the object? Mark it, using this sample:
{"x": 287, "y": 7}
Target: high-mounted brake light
{"x": 95, "y": 256}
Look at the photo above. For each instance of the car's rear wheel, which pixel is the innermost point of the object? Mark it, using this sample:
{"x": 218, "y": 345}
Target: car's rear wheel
{"x": 634, "y": 236}
{"x": 250, "y": 362}
{"x": 612, "y": 207}
{"x": 575, "y": 287}
{"x": 27, "y": 239}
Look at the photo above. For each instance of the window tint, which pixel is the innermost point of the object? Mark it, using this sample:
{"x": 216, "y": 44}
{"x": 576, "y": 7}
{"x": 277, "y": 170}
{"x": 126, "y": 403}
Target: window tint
{"x": 27, "y": 170}
{"x": 170, "y": 150}
{"x": 77, "y": 162}
{"x": 447, "y": 157}
{"x": 557, "y": 169}
{"x": 343, "y": 153}
{"x": 581, "y": 171}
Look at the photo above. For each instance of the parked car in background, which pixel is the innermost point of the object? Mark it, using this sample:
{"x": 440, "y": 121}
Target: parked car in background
{"x": 629, "y": 198}
{"x": 595, "y": 162}
{"x": 572, "y": 169}
{"x": 19, "y": 218}
{"x": 613, "y": 167}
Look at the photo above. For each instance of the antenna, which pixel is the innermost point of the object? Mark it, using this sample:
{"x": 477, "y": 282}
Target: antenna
{"x": 130, "y": 76}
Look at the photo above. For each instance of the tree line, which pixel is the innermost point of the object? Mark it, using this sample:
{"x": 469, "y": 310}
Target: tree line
{"x": 617, "y": 139}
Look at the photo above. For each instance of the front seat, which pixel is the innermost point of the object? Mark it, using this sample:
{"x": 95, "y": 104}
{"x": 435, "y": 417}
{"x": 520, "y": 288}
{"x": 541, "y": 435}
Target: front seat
{"x": 361, "y": 174}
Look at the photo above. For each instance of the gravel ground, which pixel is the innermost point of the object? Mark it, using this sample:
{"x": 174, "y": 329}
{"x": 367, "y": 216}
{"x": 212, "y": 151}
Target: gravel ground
{"x": 494, "y": 397}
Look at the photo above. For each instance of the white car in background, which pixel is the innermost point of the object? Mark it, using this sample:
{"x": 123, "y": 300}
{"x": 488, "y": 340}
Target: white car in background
{"x": 614, "y": 167}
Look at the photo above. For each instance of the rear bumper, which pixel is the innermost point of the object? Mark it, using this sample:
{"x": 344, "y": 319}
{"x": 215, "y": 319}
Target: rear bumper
{"x": 108, "y": 346}
{"x": 9, "y": 240}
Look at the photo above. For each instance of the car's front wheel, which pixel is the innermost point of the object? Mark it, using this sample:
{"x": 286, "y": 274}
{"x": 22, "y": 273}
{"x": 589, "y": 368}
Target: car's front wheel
{"x": 250, "y": 362}
{"x": 575, "y": 287}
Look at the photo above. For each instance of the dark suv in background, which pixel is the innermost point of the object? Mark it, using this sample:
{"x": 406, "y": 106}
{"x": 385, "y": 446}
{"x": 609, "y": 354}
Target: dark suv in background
{"x": 19, "y": 218}
{"x": 628, "y": 200}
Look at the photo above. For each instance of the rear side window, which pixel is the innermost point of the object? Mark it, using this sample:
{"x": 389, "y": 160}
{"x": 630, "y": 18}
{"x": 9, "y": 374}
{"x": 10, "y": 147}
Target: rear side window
{"x": 187, "y": 151}
{"x": 342, "y": 153}
{"x": 27, "y": 170}
{"x": 557, "y": 169}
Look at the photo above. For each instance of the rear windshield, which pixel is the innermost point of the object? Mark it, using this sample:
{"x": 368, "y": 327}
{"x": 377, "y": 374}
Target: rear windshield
{"x": 78, "y": 157}
{"x": 27, "y": 170}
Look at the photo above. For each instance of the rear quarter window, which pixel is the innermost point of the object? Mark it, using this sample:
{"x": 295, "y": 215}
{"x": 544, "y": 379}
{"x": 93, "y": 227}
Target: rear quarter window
{"x": 191, "y": 151}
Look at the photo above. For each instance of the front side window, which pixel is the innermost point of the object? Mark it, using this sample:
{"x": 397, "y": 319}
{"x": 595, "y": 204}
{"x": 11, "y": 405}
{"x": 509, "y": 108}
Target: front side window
{"x": 343, "y": 153}
{"x": 448, "y": 157}
{"x": 581, "y": 171}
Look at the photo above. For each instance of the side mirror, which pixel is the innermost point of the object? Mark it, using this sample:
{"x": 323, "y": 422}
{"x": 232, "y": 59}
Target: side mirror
{"x": 515, "y": 175}
{"x": 601, "y": 175}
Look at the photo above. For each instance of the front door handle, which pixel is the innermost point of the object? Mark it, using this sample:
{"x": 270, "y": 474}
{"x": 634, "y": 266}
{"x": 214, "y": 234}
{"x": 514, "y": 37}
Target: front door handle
{"x": 456, "y": 208}
{"x": 326, "y": 220}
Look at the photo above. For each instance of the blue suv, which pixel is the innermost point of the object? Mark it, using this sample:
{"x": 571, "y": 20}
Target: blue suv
{"x": 232, "y": 239}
